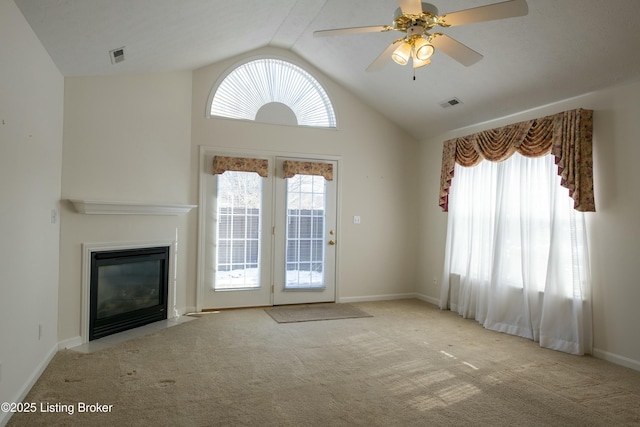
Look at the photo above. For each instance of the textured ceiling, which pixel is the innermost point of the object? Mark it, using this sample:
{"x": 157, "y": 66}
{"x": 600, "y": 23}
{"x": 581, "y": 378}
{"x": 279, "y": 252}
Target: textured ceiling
{"x": 559, "y": 50}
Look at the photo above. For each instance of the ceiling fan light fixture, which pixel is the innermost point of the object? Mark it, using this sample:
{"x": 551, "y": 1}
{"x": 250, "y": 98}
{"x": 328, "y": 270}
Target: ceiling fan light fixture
{"x": 418, "y": 63}
{"x": 423, "y": 49}
{"x": 416, "y": 19}
{"x": 402, "y": 54}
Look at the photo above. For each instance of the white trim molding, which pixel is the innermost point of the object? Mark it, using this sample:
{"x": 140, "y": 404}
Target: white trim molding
{"x": 427, "y": 298}
{"x": 617, "y": 359}
{"x": 368, "y": 298}
{"x": 129, "y": 208}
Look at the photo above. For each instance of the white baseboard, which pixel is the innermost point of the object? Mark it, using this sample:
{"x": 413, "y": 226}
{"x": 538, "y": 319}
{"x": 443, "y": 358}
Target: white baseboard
{"x": 426, "y": 298}
{"x": 22, "y": 393}
{"x": 617, "y": 359}
{"x": 389, "y": 297}
{"x": 386, "y": 297}
{"x": 70, "y": 342}
{"x": 185, "y": 310}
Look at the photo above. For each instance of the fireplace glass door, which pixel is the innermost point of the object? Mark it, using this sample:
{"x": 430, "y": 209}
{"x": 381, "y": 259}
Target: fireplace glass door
{"x": 128, "y": 289}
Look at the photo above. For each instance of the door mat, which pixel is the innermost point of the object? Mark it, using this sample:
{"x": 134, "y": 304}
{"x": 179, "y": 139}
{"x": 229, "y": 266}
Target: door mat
{"x": 314, "y": 312}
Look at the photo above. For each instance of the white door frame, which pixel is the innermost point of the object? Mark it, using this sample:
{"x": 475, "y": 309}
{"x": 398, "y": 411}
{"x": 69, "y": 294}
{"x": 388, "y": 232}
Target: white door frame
{"x": 206, "y": 169}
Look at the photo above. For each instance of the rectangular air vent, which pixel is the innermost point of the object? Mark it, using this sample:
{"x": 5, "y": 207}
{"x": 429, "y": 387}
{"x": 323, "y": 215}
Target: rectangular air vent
{"x": 450, "y": 103}
{"x": 117, "y": 55}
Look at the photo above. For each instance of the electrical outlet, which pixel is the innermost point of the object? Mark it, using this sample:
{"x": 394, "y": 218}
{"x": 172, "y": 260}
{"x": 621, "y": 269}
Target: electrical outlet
{"x": 54, "y": 216}
{"x": 356, "y": 219}
{"x": 39, "y": 331}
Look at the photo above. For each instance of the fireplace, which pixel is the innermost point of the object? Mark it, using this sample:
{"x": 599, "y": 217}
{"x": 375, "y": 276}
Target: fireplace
{"x": 128, "y": 288}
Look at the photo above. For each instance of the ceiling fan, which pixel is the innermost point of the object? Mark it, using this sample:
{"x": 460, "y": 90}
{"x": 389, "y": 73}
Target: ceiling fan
{"x": 416, "y": 19}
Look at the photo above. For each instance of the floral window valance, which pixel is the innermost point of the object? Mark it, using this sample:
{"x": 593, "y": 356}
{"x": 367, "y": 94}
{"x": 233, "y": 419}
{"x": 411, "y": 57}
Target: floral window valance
{"x": 292, "y": 168}
{"x": 566, "y": 135}
{"x": 221, "y": 164}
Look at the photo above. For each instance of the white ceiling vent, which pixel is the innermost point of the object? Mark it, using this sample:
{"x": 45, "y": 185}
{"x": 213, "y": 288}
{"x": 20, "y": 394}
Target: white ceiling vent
{"x": 450, "y": 103}
{"x": 117, "y": 55}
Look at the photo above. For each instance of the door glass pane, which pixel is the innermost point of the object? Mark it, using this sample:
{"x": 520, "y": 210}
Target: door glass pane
{"x": 306, "y": 201}
{"x": 238, "y": 228}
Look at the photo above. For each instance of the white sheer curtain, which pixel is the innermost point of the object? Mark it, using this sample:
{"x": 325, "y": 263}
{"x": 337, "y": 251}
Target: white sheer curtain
{"x": 516, "y": 255}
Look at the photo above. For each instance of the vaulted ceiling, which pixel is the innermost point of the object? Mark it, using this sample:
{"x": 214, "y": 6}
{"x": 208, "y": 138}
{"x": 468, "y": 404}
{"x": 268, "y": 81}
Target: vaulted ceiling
{"x": 560, "y": 49}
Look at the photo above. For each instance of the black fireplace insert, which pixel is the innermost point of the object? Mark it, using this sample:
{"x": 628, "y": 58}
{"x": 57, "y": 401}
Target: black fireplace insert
{"x": 128, "y": 289}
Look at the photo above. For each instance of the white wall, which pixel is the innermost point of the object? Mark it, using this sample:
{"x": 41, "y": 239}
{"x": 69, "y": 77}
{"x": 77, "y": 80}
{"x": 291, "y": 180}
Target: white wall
{"x": 376, "y": 258}
{"x": 126, "y": 138}
{"x": 136, "y": 138}
{"x": 614, "y": 234}
{"x": 31, "y": 115}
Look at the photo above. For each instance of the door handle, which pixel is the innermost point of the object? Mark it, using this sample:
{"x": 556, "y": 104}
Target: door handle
{"x": 332, "y": 242}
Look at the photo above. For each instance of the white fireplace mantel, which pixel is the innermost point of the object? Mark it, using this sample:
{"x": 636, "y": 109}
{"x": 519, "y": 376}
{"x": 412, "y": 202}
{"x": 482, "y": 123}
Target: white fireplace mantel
{"x": 129, "y": 208}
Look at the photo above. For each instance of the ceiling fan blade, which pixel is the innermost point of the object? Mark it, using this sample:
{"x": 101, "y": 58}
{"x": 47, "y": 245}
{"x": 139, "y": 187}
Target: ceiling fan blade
{"x": 410, "y": 7}
{"x": 456, "y": 50}
{"x": 507, "y": 9}
{"x": 384, "y": 58}
{"x": 352, "y": 30}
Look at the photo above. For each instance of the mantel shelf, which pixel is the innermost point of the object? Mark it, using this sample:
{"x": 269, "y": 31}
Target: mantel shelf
{"x": 129, "y": 208}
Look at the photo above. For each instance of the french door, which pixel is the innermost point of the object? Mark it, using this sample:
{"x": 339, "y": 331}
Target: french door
{"x": 305, "y": 224}
{"x": 268, "y": 240}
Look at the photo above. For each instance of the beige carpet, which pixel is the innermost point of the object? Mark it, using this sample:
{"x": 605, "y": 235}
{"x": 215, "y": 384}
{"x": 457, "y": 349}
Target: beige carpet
{"x": 314, "y": 312}
{"x": 408, "y": 365}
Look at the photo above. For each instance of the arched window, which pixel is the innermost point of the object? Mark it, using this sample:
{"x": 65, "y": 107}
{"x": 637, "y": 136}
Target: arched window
{"x": 276, "y": 91}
